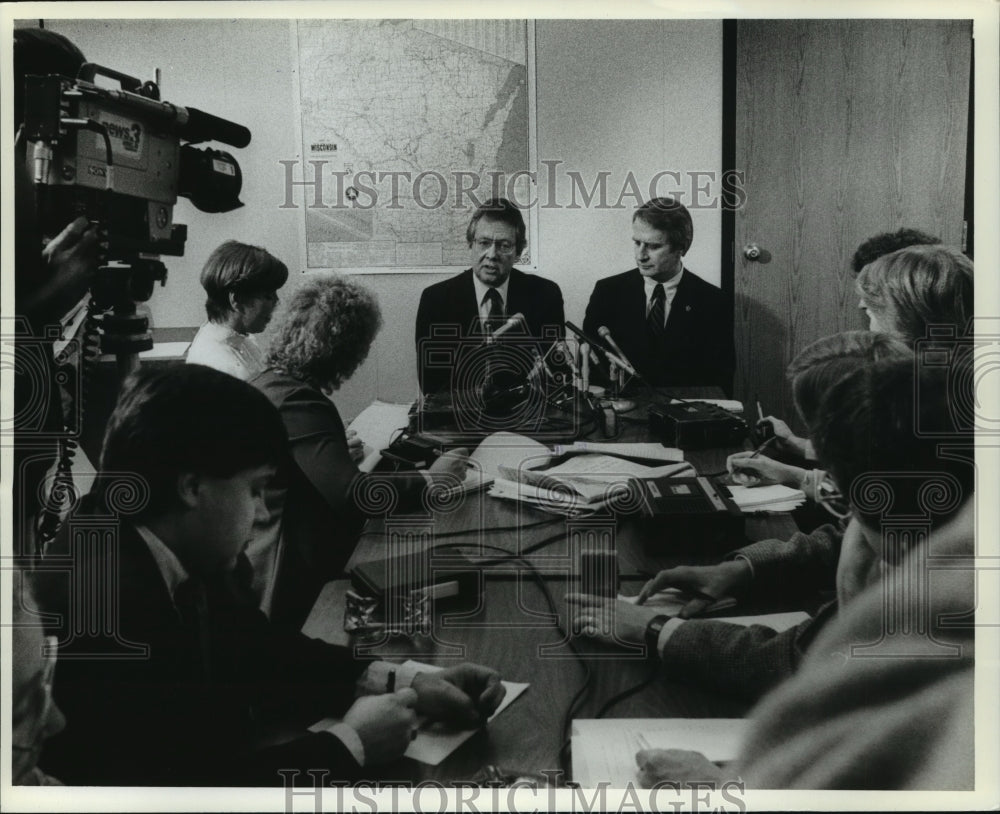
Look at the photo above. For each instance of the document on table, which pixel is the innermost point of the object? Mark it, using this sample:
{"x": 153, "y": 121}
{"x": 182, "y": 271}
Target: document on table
{"x": 773, "y": 498}
{"x": 434, "y": 741}
{"x": 610, "y": 469}
{"x": 604, "y": 749}
{"x": 502, "y": 450}
{"x": 646, "y": 451}
{"x": 732, "y": 405}
{"x": 376, "y": 425}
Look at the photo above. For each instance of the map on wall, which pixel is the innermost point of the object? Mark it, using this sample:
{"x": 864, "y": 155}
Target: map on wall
{"x": 411, "y": 123}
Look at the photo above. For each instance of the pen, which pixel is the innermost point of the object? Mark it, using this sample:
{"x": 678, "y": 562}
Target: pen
{"x": 762, "y": 447}
{"x": 760, "y": 410}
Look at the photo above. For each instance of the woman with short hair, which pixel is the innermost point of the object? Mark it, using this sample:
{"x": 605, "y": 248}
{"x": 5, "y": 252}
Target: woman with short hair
{"x": 242, "y": 283}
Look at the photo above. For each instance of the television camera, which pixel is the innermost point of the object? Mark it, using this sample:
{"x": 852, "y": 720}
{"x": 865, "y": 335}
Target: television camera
{"x": 115, "y": 156}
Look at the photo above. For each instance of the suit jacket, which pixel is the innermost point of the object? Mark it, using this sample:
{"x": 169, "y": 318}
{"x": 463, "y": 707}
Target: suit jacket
{"x": 695, "y": 349}
{"x": 327, "y": 497}
{"x": 902, "y": 718}
{"x": 187, "y": 712}
{"x": 750, "y": 661}
{"x": 451, "y": 306}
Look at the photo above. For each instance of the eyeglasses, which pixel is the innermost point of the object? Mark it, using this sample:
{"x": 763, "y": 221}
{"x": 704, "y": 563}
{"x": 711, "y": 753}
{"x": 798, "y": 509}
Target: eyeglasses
{"x": 504, "y": 247}
{"x": 44, "y": 688}
{"x": 829, "y": 497}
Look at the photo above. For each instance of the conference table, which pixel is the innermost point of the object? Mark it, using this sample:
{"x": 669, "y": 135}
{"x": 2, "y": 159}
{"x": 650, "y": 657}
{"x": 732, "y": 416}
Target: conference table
{"x": 521, "y": 624}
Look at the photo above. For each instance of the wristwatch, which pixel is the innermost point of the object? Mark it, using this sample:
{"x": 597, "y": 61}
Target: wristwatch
{"x": 653, "y": 628}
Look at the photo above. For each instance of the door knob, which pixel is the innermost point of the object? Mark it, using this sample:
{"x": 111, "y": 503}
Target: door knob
{"x": 753, "y": 252}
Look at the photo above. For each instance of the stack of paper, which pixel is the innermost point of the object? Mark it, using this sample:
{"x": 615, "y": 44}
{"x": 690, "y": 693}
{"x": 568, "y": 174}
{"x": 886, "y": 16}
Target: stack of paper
{"x": 585, "y": 479}
{"x": 732, "y": 405}
{"x": 556, "y": 501}
{"x": 643, "y": 451}
{"x": 604, "y": 749}
{"x": 774, "y": 498}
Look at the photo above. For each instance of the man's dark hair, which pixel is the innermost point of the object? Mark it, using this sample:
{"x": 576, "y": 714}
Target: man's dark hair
{"x": 188, "y": 418}
{"x": 38, "y": 51}
{"x": 888, "y": 242}
{"x": 869, "y": 423}
{"x": 242, "y": 269}
{"x": 502, "y": 210}
{"x": 672, "y": 218}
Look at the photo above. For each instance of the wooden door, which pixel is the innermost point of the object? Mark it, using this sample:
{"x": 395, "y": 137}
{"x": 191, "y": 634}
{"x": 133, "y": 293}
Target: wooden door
{"x": 845, "y": 128}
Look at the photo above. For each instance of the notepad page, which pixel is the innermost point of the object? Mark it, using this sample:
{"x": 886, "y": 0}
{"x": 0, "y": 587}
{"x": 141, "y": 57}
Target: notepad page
{"x": 604, "y": 750}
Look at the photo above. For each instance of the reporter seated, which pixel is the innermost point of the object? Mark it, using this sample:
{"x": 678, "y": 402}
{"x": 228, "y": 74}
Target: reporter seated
{"x": 907, "y": 283}
{"x": 321, "y": 335}
{"x": 879, "y": 702}
{"x": 242, "y": 284}
{"x": 749, "y": 661}
{"x": 175, "y": 685}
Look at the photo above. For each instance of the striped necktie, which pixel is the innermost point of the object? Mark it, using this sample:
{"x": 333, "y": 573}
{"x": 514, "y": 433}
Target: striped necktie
{"x": 657, "y": 311}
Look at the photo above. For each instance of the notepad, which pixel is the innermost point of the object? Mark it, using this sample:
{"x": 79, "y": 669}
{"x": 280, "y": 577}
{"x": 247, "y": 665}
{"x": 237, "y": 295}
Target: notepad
{"x": 773, "y": 498}
{"x": 604, "y": 750}
{"x": 376, "y": 425}
{"x": 435, "y": 741}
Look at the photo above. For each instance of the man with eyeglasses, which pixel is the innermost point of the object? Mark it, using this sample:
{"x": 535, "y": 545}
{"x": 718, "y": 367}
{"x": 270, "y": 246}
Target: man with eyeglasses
{"x": 460, "y": 314}
{"x": 675, "y": 328}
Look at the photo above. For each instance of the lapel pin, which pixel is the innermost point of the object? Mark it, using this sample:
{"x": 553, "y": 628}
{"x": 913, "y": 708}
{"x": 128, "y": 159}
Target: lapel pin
{"x": 687, "y": 307}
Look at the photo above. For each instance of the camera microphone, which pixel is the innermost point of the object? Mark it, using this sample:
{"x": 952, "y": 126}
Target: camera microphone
{"x": 196, "y": 125}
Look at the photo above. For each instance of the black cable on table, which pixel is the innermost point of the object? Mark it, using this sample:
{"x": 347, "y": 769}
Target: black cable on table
{"x": 588, "y": 675}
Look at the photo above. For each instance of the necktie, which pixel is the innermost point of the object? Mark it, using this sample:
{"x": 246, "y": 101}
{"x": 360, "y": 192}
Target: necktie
{"x": 495, "y": 316}
{"x": 657, "y": 311}
{"x": 191, "y": 599}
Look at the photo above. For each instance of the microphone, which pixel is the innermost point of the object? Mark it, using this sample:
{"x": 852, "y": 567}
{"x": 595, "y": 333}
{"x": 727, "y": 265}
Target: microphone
{"x": 623, "y": 361}
{"x": 510, "y": 323}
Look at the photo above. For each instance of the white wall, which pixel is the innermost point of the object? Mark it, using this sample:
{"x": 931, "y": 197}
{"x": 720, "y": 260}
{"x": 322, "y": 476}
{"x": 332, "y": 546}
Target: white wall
{"x": 617, "y": 96}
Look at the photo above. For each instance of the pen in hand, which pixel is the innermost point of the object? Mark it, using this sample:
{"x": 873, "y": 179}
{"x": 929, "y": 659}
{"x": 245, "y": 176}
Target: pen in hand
{"x": 762, "y": 447}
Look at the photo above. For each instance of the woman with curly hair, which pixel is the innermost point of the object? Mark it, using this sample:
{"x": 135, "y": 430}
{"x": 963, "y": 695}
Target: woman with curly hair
{"x": 318, "y": 339}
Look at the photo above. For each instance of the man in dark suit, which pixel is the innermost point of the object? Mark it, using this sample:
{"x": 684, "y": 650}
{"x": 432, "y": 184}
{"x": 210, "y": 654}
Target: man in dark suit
{"x": 672, "y": 326}
{"x": 457, "y": 315}
{"x": 177, "y": 680}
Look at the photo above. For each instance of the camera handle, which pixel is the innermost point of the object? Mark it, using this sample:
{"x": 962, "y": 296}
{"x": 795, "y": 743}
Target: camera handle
{"x": 91, "y": 70}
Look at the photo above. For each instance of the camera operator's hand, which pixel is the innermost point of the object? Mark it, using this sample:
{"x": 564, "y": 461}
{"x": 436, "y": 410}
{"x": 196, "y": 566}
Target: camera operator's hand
{"x": 451, "y": 465}
{"x": 711, "y": 582}
{"x": 385, "y": 723}
{"x": 72, "y": 255}
{"x": 463, "y": 696}
{"x": 751, "y": 469}
{"x": 355, "y": 446}
{"x": 69, "y": 262}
